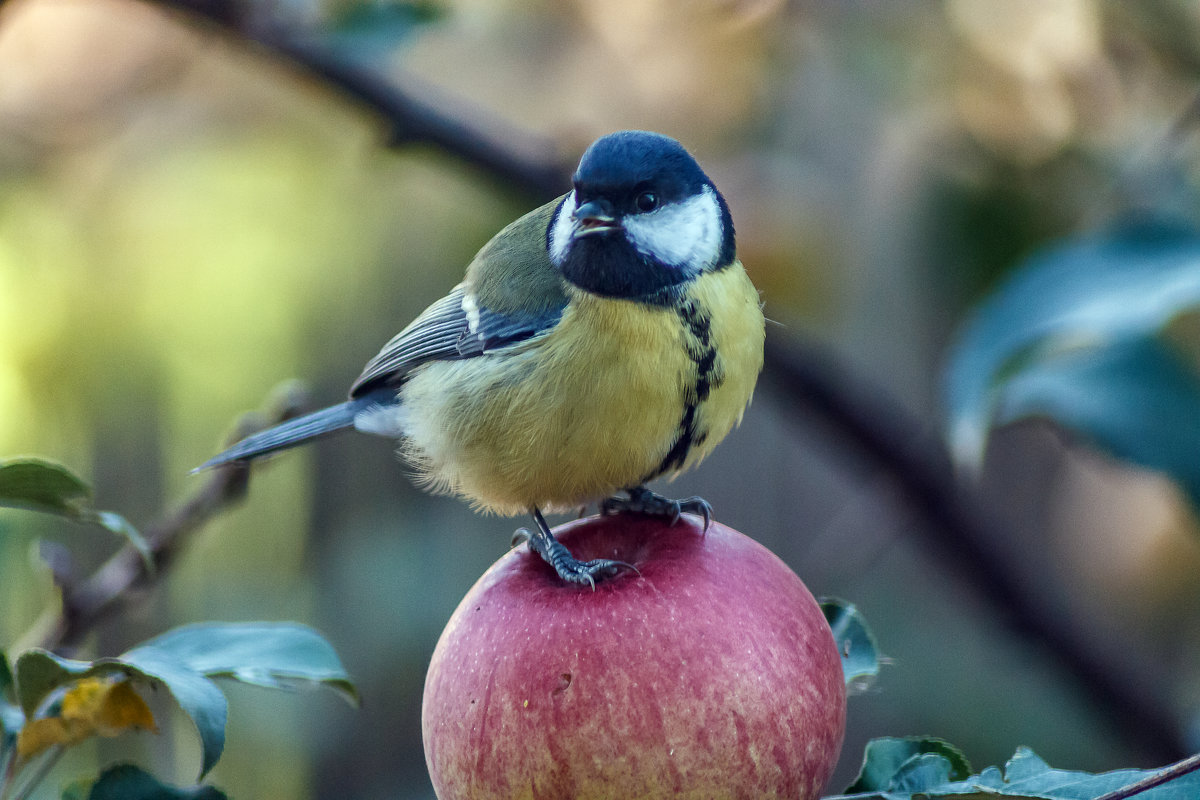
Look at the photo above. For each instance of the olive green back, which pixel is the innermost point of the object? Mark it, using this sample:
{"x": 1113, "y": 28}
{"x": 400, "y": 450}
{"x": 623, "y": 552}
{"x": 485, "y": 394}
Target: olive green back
{"x": 513, "y": 273}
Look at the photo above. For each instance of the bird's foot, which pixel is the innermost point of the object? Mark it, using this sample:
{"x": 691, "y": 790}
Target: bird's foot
{"x": 554, "y": 553}
{"x": 643, "y": 501}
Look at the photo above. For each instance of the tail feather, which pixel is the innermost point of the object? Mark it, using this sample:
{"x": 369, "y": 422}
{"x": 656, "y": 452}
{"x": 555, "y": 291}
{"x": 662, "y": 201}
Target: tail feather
{"x": 293, "y": 432}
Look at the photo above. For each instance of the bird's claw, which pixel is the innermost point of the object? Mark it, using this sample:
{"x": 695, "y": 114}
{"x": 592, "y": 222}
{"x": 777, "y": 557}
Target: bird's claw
{"x": 644, "y": 501}
{"x": 575, "y": 571}
{"x": 569, "y": 568}
{"x": 520, "y": 536}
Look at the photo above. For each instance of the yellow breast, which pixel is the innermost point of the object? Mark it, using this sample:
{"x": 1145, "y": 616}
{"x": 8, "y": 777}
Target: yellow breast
{"x": 617, "y": 393}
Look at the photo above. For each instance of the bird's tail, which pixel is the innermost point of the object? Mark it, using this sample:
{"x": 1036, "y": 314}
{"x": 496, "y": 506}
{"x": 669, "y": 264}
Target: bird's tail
{"x": 294, "y": 432}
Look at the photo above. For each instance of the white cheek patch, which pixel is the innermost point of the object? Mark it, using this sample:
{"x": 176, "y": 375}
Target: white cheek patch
{"x": 687, "y": 234}
{"x": 562, "y": 230}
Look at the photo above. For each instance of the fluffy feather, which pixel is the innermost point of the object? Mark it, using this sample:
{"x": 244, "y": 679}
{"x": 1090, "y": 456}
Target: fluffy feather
{"x": 573, "y": 417}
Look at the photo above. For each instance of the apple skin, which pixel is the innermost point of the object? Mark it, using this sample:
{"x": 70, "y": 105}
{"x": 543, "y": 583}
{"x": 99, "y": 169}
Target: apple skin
{"x": 712, "y": 674}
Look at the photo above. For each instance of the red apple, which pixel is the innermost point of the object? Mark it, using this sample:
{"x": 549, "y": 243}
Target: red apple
{"x": 711, "y": 674}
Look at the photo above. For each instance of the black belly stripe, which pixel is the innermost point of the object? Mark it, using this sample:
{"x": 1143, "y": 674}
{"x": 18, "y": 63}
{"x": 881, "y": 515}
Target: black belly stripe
{"x": 709, "y": 376}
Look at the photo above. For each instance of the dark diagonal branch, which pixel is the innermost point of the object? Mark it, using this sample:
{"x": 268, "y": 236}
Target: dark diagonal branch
{"x": 411, "y": 112}
{"x": 963, "y": 533}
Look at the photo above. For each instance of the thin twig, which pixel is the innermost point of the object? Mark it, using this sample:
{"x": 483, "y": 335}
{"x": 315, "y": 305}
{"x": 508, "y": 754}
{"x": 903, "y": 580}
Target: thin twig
{"x": 8, "y": 771}
{"x": 35, "y": 775}
{"x": 115, "y": 583}
{"x": 1170, "y": 773}
{"x": 109, "y": 588}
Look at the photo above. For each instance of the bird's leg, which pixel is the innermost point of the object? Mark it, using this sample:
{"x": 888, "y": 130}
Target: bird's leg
{"x": 569, "y": 568}
{"x": 643, "y": 501}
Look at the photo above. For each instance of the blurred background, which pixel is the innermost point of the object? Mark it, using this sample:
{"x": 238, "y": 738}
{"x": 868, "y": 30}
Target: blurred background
{"x": 186, "y": 221}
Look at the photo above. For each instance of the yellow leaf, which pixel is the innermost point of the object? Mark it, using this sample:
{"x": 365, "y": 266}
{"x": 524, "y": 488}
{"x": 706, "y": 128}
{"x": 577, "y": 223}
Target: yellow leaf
{"x": 82, "y": 698}
{"x": 92, "y": 707}
{"x": 120, "y": 709}
{"x": 39, "y": 734}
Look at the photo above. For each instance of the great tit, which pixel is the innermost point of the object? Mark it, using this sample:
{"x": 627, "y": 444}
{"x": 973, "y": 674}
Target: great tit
{"x": 603, "y": 340}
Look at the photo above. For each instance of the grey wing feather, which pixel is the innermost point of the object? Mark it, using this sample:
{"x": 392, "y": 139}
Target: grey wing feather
{"x": 432, "y": 335}
{"x": 447, "y": 331}
{"x": 444, "y": 331}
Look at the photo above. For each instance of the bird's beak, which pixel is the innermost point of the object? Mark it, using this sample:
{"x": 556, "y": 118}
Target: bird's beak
{"x": 594, "y": 217}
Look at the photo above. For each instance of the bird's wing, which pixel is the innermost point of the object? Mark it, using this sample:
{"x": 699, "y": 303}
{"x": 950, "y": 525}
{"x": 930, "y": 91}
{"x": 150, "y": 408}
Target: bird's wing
{"x": 457, "y": 326}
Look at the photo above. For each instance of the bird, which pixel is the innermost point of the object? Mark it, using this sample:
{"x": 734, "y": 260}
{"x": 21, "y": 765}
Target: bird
{"x": 601, "y": 341}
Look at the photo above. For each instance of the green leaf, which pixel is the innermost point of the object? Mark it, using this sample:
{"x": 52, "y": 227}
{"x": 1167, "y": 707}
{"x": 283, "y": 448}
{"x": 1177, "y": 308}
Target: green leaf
{"x": 127, "y": 782}
{"x": 41, "y": 485}
{"x": 200, "y": 698}
{"x": 1097, "y": 290}
{"x": 1136, "y": 398}
{"x": 370, "y": 31}
{"x": 855, "y": 642}
{"x": 890, "y": 760}
{"x": 40, "y": 672}
{"x": 1026, "y": 775}
{"x": 11, "y": 723}
{"x": 6, "y": 679}
{"x": 271, "y": 654}
{"x": 275, "y": 655}
{"x": 919, "y": 772}
{"x": 11, "y": 720}
{"x": 932, "y": 775}
{"x": 78, "y": 790}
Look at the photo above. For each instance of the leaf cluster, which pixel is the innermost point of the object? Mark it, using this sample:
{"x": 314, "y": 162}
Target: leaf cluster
{"x": 49, "y": 703}
{"x": 926, "y": 768}
{"x": 923, "y": 768}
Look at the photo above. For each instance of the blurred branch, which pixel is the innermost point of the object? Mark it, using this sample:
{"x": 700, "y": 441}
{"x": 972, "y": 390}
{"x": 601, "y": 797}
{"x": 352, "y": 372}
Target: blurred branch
{"x": 413, "y": 114}
{"x": 964, "y": 535}
{"x": 117, "y": 582}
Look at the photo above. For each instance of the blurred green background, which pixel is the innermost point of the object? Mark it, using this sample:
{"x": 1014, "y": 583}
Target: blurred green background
{"x": 186, "y": 222}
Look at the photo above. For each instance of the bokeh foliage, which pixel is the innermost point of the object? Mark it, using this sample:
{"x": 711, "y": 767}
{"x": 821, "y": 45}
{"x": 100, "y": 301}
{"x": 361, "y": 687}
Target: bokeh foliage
{"x": 185, "y": 223}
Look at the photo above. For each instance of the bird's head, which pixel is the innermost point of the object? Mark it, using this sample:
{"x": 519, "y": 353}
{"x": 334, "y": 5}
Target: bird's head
{"x": 642, "y": 218}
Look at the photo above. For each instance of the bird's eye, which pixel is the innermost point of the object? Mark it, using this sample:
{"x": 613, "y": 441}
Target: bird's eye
{"x": 646, "y": 201}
